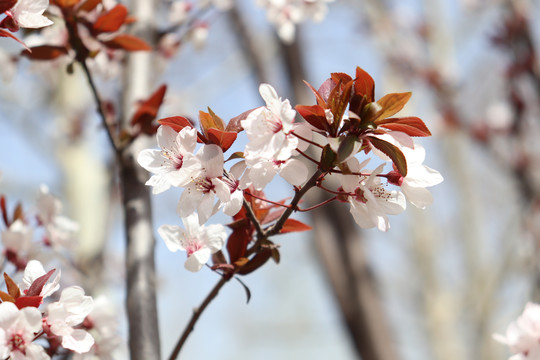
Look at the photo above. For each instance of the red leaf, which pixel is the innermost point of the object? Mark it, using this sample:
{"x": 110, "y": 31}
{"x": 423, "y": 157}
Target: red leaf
{"x": 411, "y": 126}
{"x": 256, "y": 262}
{"x": 111, "y": 20}
{"x": 238, "y": 242}
{"x": 128, "y": 43}
{"x": 222, "y": 138}
{"x": 364, "y": 85}
{"x": 28, "y": 301}
{"x": 44, "y": 52}
{"x": 234, "y": 123}
{"x": 4, "y": 210}
{"x": 318, "y": 96}
{"x": 176, "y": 122}
{"x": 393, "y": 152}
{"x": 314, "y": 115}
{"x": 89, "y": 5}
{"x": 5, "y": 5}
{"x": 292, "y": 225}
{"x": 210, "y": 120}
{"x": 326, "y": 89}
{"x": 37, "y": 285}
{"x": 66, "y": 3}
{"x": 147, "y": 111}
{"x": 12, "y": 287}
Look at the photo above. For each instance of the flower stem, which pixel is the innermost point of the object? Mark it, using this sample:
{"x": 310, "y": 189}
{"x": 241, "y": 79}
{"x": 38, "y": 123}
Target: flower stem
{"x": 306, "y": 140}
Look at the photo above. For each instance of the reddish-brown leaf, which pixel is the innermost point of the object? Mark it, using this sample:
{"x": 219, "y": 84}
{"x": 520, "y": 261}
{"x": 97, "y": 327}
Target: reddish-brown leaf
{"x": 391, "y": 151}
{"x": 111, "y": 20}
{"x": 12, "y": 287}
{"x": 292, "y": 225}
{"x": 147, "y": 111}
{"x": 66, "y": 3}
{"x": 235, "y": 125}
{"x": 28, "y": 301}
{"x": 326, "y": 89}
{"x": 176, "y": 122}
{"x": 18, "y": 213}
{"x": 37, "y": 285}
{"x": 128, "y": 43}
{"x": 44, "y": 52}
{"x": 256, "y": 262}
{"x": 364, "y": 85}
{"x": 338, "y": 101}
{"x": 412, "y": 126}
{"x": 4, "y": 210}
{"x": 222, "y": 138}
{"x": 238, "y": 242}
{"x": 6, "y": 297}
{"x": 5, "y": 5}
{"x": 89, "y": 5}
{"x": 210, "y": 120}
{"x": 318, "y": 96}
{"x": 392, "y": 104}
{"x": 314, "y": 115}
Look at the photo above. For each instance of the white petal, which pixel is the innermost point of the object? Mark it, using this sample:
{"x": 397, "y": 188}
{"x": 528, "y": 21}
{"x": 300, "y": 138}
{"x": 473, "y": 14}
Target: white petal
{"x": 269, "y": 94}
{"x": 171, "y": 235}
{"x": 196, "y": 261}
{"x": 79, "y": 341}
{"x": 215, "y": 237}
{"x": 418, "y": 196}
{"x": 166, "y": 137}
{"x": 295, "y": 172}
{"x": 212, "y": 158}
{"x": 206, "y": 208}
{"x": 233, "y": 206}
{"x": 189, "y": 200}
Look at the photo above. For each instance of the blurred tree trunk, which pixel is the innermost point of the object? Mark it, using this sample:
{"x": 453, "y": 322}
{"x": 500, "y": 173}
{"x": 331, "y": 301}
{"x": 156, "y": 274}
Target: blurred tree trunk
{"x": 140, "y": 243}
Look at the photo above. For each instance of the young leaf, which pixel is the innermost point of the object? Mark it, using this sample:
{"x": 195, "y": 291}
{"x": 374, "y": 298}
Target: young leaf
{"x": 248, "y": 292}
{"x": 256, "y": 262}
{"x": 5, "y": 33}
{"x": 238, "y": 242}
{"x": 234, "y": 123}
{"x": 292, "y": 225}
{"x": 4, "y": 210}
{"x": 222, "y": 138}
{"x": 208, "y": 121}
{"x": 37, "y": 285}
{"x": 111, "y": 20}
{"x": 346, "y": 147}
{"x": 128, "y": 43}
{"x": 147, "y": 111}
{"x": 28, "y": 301}
{"x": 66, "y": 3}
{"x": 89, "y": 5}
{"x": 364, "y": 85}
{"x": 318, "y": 96}
{"x": 44, "y": 52}
{"x": 411, "y": 126}
{"x": 5, "y": 5}
{"x": 176, "y": 122}
{"x": 328, "y": 157}
{"x": 393, "y": 152}
{"x": 314, "y": 115}
{"x": 392, "y": 104}
{"x": 12, "y": 287}
{"x": 6, "y": 297}
{"x": 236, "y": 155}
{"x": 18, "y": 212}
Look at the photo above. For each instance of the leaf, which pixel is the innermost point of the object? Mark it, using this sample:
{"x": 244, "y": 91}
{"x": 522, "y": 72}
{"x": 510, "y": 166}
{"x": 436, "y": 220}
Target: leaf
{"x": 292, "y": 225}
{"x": 320, "y": 100}
{"x": 176, "y": 122}
{"x": 210, "y": 121}
{"x": 66, "y": 3}
{"x": 128, "y": 43}
{"x": 328, "y": 157}
{"x": 338, "y": 101}
{"x": 236, "y": 155}
{"x": 28, "y": 301}
{"x": 147, "y": 111}
{"x": 314, "y": 115}
{"x": 5, "y": 5}
{"x": 222, "y": 138}
{"x": 412, "y": 126}
{"x": 238, "y": 242}
{"x": 4, "y": 210}
{"x": 6, "y": 297}
{"x": 346, "y": 146}
{"x": 393, "y": 152}
{"x": 37, "y": 285}
{"x": 44, "y": 52}
{"x": 18, "y": 212}
{"x": 363, "y": 91}
{"x": 89, "y": 5}
{"x": 256, "y": 262}
{"x": 391, "y": 104}
{"x": 12, "y": 287}
{"x": 235, "y": 125}
{"x": 248, "y": 292}
{"x": 111, "y": 20}
{"x": 326, "y": 89}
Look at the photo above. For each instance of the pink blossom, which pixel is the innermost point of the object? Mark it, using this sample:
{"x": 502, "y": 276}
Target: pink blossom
{"x": 523, "y": 335}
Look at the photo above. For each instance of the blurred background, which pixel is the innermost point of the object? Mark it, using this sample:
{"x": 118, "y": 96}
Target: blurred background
{"x": 436, "y": 286}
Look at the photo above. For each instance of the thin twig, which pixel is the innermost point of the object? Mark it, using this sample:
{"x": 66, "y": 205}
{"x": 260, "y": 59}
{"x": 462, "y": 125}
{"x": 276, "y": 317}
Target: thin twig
{"x": 196, "y": 314}
{"x": 251, "y": 215}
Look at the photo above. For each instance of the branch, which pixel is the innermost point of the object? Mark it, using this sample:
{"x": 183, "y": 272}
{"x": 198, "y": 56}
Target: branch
{"x": 196, "y": 314}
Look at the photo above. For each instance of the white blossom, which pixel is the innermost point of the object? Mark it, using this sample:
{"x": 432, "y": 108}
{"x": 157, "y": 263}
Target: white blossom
{"x": 523, "y": 335}
{"x": 29, "y": 13}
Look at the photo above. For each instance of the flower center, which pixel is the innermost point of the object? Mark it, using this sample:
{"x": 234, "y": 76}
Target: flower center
{"x": 17, "y": 343}
{"x": 274, "y": 123}
{"x": 192, "y": 246}
{"x": 177, "y": 160}
{"x": 204, "y": 185}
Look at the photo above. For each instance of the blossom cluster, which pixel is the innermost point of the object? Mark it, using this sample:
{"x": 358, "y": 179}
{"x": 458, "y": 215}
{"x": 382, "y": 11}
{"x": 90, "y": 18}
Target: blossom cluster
{"x": 331, "y": 138}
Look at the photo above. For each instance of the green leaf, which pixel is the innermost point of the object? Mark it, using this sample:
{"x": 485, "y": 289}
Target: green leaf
{"x": 328, "y": 158}
{"x": 346, "y": 147}
{"x": 393, "y": 152}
